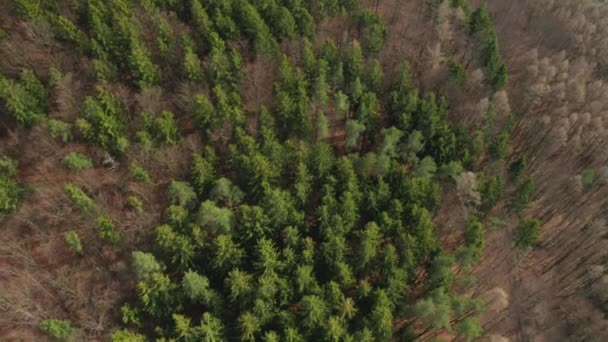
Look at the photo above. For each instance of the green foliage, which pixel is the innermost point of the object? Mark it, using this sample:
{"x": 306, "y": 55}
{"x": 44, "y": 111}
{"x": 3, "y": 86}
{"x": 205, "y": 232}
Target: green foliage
{"x": 73, "y": 241}
{"x": 204, "y": 112}
{"x": 491, "y": 191}
{"x": 217, "y": 220}
{"x": 29, "y": 9}
{"x": 425, "y": 168}
{"x": 196, "y": 287}
{"x": 79, "y": 199}
{"x": 227, "y": 253}
{"x": 175, "y": 245}
{"x": 381, "y": 317}
{"x": 322, "y": 127}
{"x": 139, "y": 174}
{"x": 480, "y": 21}
{"x": 469, "y": 328}
{"x": 373, "y": 30}
{"x": 57, "y": 328}
{"x": 203, "y": 173}
{"x": 68, "y": 31}
{"x": 156, "y": 293}
{"x": 353, "y": 62}
{"x": 457, "y": 71}
{"x": 523, "y": 195}
{"x": 77, "y": 161}
{"x": 60, "y": 129}
{"x": 499, "y": 146}
{"x": 10, "y": 191}
{"x": 103, "y": 122}
{"x": 145, "y": 264}
{"x": 136, "y": 203}
{"x": 125, "y": 335}
{"x": 481, "y": 26}
{"x": 104, "y": 71}
{"x": 588, "y": 177}
{"x": 441, "y": 274}
{"x": 162, "y": 129}
{"x": 192, "y": 65}
{"x": 26, "y": 100}
{"x": 292, "y": 100}
{"x": 107, "y": 231}
{"x": 278, "y": 236}
{"x": 518, "y": 168}
{"x": 435, "y": 310}
{"x": 528, "y": 232}
{"x": 314, "y": 312}
{"x": 353, "y": 132}
{"x": 226, "y": 193}
{"x": 176, "y": 215}
{"x": 239, "y": 285}
{"x": 254, "y": 28}
{"x": 144, "y": 71}
{"x": 464, "y": 4}
{"x": 182, "y": 194}
{"x": 369, "y": 244}
{"x": 474, "y": 238}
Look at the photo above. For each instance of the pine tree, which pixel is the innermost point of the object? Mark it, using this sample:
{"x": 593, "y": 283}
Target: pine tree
{"x": 528, "y": 232}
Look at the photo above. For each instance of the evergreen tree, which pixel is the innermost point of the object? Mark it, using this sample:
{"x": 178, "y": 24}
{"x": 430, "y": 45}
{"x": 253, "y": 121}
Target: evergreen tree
{"x": 528, "y": 232}
{"x": 373, "y": 30}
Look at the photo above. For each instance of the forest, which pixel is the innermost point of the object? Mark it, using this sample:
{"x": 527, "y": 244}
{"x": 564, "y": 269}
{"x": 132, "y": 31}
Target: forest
{"x": 289, "y": 170}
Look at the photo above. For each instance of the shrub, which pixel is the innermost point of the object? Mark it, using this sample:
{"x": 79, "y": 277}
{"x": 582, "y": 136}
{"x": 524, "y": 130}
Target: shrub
{"x": 255, "y": 29}
{"x": 523, "y": 195}
{"x": 226, "y": 193}
{"x": 102, "y": 123}
{"x": 79, "y": 199}
{"x": 77, "y": 161}
{"x": 469, "y": 329}
{"x": 60, "y": 129}
{"x": 192, "y": 65}
{"x": 373, "y": 30}
{"x": 163, "y": 129}
{"x": 34, "y": 87}
{"x": 57, "y": 328}
{"x": 181, "y": 193}
{"x": 139, "y": 174}
{"x": 457, "y": 71}
{"x": 104, "y": 71}
{"x": 107, "y": 232}
{"x": 73, "y": 241}
{"x": 217, "y": 220}
{"x": 130, "y": 315}
{"x": 176, "y": 215}
{"x": 491, "y": 190}
{"x": 9, "y": 195}
{"x": 588, "y": 177}
{"x": 68, "y": 31}
{"x": 528, "y": 232}
{"x": 9, "y": 188}
{"x": 145, "y": 73}
{"x": 20, "y": 99}
{"x": 499, "y": 146}
{"x": 518, "y": 168}
{"x": 145, "y": 264}
{"x": 136, "y": 204}
{"x": 125, "y": 335}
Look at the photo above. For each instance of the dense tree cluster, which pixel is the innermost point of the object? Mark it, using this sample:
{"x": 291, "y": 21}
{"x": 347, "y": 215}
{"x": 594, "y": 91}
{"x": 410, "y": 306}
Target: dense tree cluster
{"x": 482, "y": 28}
{"x": 281, "y": 231}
